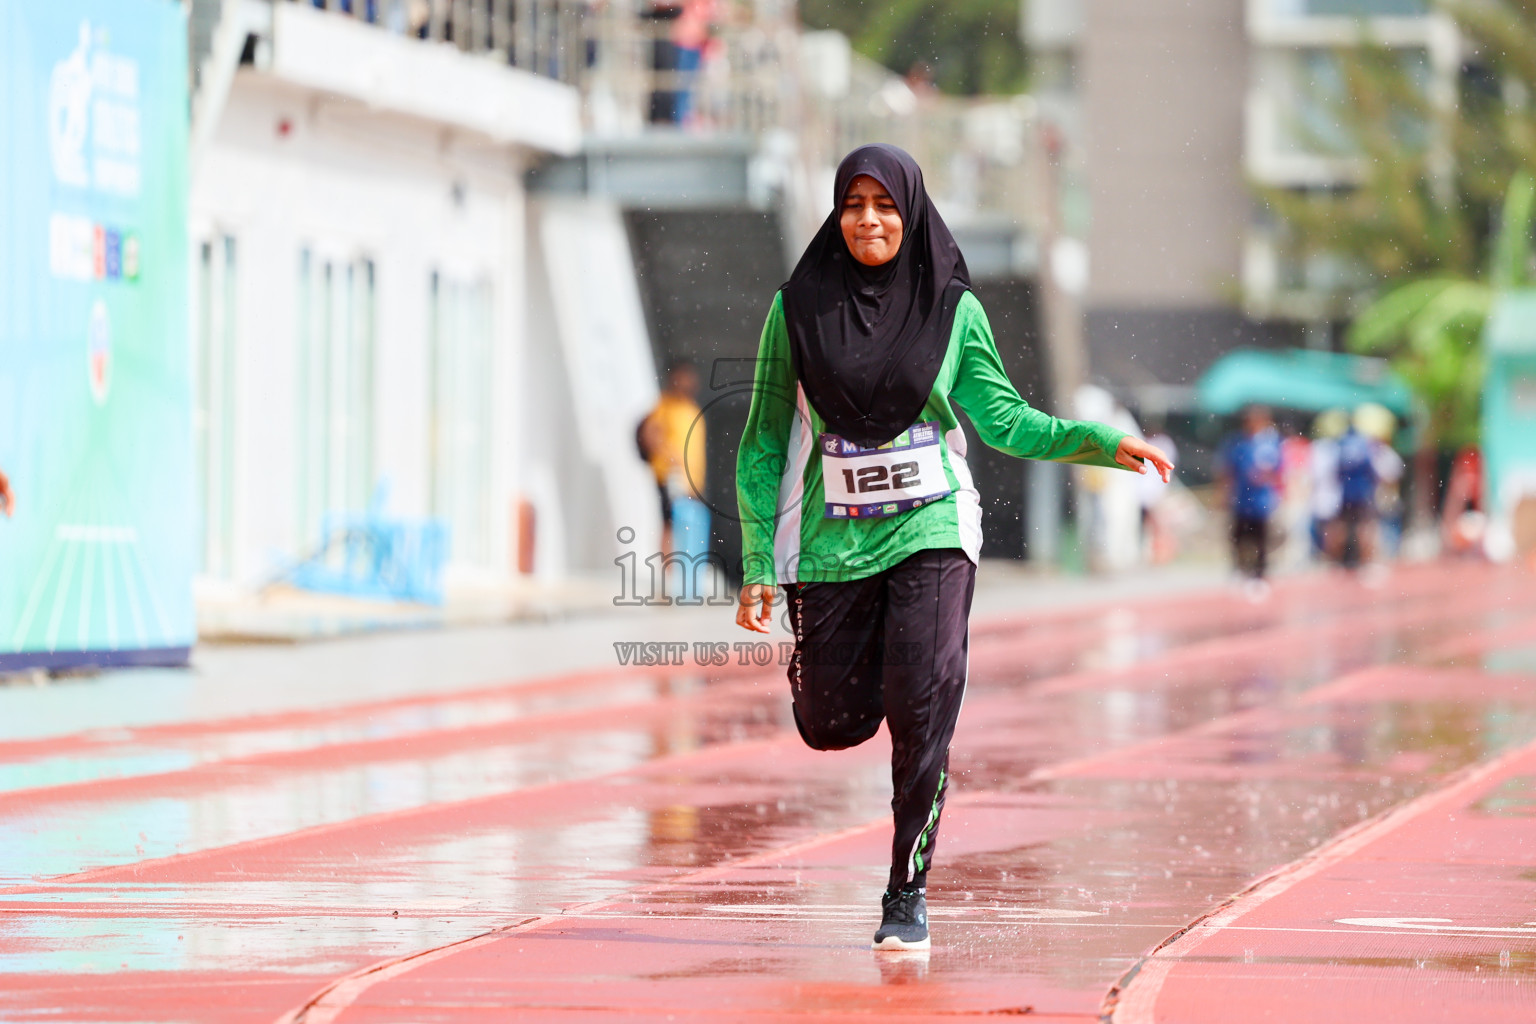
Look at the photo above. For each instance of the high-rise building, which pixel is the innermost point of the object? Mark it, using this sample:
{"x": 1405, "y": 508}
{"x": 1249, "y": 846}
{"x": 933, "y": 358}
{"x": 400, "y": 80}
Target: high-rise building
{"x": 1173, "y": 112}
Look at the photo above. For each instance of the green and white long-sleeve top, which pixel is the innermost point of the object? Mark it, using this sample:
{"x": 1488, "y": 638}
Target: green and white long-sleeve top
{"x": 817, "y": 508}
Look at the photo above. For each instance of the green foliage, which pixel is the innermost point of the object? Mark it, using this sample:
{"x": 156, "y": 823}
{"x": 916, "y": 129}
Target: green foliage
{"x": 1440, "y": 220}
{"x": 972, "y": 46}
{"x": 1510, "y": 266}
{"x": 1432, "y": 328}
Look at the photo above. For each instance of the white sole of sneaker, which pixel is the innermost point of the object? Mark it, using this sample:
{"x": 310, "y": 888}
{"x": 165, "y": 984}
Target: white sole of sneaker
{"x": 892, "y": 944}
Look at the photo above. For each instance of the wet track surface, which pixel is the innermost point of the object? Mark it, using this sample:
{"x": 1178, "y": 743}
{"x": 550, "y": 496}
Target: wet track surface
{"x": 657, "y": 844}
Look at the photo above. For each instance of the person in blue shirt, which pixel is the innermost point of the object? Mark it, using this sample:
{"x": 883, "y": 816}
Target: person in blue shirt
{"x": 1250, "y": 476}
{"x": 1354, "y": 538}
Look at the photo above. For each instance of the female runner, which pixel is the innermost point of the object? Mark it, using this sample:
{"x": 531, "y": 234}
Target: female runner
{"x": 855, "y": 495}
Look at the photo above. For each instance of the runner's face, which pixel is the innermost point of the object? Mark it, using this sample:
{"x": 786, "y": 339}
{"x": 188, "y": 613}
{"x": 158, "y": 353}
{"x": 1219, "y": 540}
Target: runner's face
{"x": 871, "y": 226}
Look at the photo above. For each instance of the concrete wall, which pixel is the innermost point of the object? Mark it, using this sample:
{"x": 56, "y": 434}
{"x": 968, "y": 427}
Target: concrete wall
{"x": 590, "y": 381}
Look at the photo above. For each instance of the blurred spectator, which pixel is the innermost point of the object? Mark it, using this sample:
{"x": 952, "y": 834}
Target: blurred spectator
{"x": 1157, "y": 533}
{"x": 7, "y": 499}
{"x": 672, "y": 441}
{"x": 666, "y": 99}
{"x": 676, "y": 55}
{"x": 1324, "y": 462}
{"x": 1353, "y": 540}
{"x": 692, "y": 33}
{"x": 1378, "y": 423}
{"x": 1109, "y": 509}
{"x": 1250, "y": 477}
{"x": 1294, "y": 515}
{"x": 412, "y": 17}
{"x": 920, "y": 80}
{"x": 367, "y": 9}
{"x": 1462, "y": 520}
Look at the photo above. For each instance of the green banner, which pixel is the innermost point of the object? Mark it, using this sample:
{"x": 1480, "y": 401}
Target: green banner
{"x": 95, "y": 415}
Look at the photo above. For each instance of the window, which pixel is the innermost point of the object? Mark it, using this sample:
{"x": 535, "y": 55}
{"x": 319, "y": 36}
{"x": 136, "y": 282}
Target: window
{"x": 1307, "y": 89}
{"x": 213, "y": 423}
{"x": 1347, "y": 8}
{"x": 336, "y": 332}
{"x": 461, "y": 423}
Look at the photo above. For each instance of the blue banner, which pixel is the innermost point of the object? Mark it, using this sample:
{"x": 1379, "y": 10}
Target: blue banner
{"x": 95, "y": 402}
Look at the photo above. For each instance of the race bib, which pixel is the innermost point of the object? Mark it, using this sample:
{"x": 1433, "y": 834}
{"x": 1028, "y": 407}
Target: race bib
{"x": 905, "y": 473}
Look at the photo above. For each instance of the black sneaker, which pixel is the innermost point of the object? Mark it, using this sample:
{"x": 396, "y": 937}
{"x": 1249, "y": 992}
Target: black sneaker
{"x": 903, "y": 920}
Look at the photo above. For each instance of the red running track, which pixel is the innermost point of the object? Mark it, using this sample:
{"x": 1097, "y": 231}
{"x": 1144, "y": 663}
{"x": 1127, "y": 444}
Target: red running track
{"x": 659, "y": 846}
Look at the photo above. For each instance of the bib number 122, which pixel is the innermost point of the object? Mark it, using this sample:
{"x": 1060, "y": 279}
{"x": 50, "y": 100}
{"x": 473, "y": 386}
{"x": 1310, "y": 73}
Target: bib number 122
{"x": 865, "y": 479}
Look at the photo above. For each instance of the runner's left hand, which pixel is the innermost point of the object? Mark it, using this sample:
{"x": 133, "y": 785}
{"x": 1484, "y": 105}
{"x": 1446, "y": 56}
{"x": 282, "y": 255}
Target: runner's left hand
{"x": 1134, "y": 453}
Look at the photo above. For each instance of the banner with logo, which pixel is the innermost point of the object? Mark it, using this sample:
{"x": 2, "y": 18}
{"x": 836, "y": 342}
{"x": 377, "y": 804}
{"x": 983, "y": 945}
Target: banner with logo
{"x": 95, "y": 415}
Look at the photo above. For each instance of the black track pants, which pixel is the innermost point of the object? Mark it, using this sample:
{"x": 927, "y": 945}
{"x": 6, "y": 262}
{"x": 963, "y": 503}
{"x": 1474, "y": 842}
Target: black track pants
{"x": 1250, "y": 544}
{"x": 892, "y": 646}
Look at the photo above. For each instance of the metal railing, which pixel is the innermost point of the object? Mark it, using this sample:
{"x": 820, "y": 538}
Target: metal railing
{"x": 643, "y": 66}
{"x": 637, "y": 63}
{"x": 981, "y": 156}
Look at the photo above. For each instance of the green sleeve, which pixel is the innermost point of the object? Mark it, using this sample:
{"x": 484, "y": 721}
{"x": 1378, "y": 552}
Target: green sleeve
{"x": 764, "y": 440}
{"x": 1003, "y": 419}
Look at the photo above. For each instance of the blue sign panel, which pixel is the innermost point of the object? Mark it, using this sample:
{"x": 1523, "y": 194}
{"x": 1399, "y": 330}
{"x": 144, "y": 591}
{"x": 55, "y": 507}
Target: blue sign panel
{"x": 95, "y": 402}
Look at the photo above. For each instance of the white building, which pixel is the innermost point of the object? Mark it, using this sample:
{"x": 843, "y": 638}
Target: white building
{"x": 363, "y": 319}
{"x": 412, "y": 266}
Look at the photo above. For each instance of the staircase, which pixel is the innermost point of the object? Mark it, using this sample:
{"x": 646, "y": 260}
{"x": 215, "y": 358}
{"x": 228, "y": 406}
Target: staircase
{"x": 707, "y": 278}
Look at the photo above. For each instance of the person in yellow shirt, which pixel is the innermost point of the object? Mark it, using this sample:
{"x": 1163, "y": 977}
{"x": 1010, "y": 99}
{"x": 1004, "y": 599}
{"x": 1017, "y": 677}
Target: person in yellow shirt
{"x": 673, "y": 438}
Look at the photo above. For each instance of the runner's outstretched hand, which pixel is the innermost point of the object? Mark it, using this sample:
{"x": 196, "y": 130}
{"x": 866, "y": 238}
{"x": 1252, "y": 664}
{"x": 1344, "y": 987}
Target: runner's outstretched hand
{"x": 754, "y": 607}
{"x": 7, "y": 499}
{"x": 1134, "y": 453}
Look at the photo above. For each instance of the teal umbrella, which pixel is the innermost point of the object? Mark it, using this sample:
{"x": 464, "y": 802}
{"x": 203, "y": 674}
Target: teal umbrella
{"x": 1298, "y": 378}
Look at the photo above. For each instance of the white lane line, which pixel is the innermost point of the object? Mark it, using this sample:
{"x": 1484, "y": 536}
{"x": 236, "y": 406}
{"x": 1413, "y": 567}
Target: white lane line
{"x": 1438, "y": 925}
{"x": 1134, "y": 999}
{"x": 862, "y": 910}
{"x": 871, "y": 918}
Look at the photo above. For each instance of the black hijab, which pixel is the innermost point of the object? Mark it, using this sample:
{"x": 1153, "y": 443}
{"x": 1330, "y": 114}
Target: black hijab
{"x": 868, "y": 342}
